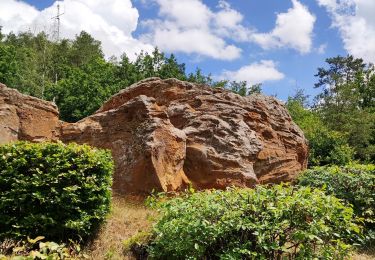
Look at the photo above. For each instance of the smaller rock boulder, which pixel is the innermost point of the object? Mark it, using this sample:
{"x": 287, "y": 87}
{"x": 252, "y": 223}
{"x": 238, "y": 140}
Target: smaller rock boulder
{"x": 27, "y": 118}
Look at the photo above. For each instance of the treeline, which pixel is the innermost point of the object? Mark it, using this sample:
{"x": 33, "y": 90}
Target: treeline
{"x": 76, "y": 75}
{"x": 339, "y": 123}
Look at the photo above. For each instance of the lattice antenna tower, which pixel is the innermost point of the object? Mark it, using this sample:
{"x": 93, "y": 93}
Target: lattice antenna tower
{"x": 57, "y": 23}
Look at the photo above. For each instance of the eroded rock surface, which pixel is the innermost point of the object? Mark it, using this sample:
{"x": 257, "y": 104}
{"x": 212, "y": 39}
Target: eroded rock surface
{"x": 24, "y": 117}
{"x": 148, "y": 150}
{"x": 167, "y": 134}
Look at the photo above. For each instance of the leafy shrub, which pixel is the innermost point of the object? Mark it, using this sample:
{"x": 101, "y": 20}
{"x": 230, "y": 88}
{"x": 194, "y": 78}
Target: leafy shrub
{"x": 353, "y": 183}
{"x": 261, "y": 223}
{"x": 36, "y": 249}
{"x": 137, "y": 244}
{"x": 328, "y": 147}
{"x": 61, "y": 191}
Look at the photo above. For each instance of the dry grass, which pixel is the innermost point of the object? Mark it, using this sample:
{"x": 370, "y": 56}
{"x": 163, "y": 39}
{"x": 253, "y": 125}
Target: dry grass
{"x": 128, "y": 217}
{"x": 366, "y": 255}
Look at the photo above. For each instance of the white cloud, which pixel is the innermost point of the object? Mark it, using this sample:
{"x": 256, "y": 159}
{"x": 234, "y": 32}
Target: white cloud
{"x": 185, "y": 13}
{"x": 193, "y": 40}
{"x": 257, "y": 72}
{"x": 293, "y": 29}
{"x": 16, "y": 16}
{"x": 355, "y": 21}
{"x": 111, "y": 22}
{"x": 189, "y": 26}
{"x": 322, "y": 48}
{"x": 228, "y": 21}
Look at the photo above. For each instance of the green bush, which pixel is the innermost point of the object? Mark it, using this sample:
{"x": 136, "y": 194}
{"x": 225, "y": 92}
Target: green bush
{"x": 261, "y": 223}
{"x": 326, "y": 146}
{"x": 354, "y": 184}
{"x": 51, "y": 189}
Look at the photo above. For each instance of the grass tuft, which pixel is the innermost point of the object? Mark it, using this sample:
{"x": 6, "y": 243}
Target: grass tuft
{"x": 128, "y": 217}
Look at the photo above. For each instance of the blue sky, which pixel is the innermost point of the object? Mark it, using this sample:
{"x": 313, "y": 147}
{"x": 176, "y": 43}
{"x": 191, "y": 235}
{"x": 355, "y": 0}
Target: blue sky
{"x": 278, "y": 43}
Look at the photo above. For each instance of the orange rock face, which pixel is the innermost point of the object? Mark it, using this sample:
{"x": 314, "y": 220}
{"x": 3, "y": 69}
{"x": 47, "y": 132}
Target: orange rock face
{"x": 148, "y": 150}
{"x": 167, "y": 134}
{"x": 26, "y": 118}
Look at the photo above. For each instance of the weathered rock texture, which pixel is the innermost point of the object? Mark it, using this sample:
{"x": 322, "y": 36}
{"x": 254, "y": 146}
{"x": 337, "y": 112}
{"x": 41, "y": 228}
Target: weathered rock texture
{"x": 166, "y": 134}
{"x": 148, "y": 150}
{"x": 26, "y": 118}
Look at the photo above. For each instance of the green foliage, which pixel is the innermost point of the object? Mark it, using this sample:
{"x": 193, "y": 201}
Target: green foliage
{"x": 261, "y": 223}
{"x": 31, "y": 249}
{"x": 326, "y": 146}
{"x": 347, "y": 102}
{"x": 340, "y": 126}
{"x": 61, "y": 191}
{"x": 238, "y": 87}
{"x": 85, "y": 49}
{"x": 32, "y": 59}
{"x": 137, "y": 239}
{"x": 200, "y": 78}
{"x": 138, "y": 244}
{"x": 84, "y": 89}
{"x": 354, "y": 184}
{"x": 241, "y": 88}
{"x": 8, "y": 66}
{"x": 75, "y": 73}
{"x": 157, "y": 64}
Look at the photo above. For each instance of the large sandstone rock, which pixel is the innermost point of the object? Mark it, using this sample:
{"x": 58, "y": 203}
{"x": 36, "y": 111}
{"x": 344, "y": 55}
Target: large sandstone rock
{"x": 24, "y": 117}
{"x": 148, "y": 150}
{"x": 165, "y": 134}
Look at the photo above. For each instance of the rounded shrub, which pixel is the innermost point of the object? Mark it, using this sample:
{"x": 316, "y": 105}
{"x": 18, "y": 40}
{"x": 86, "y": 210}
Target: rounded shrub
{"x": 262, "y": 223}
{"x": 354, "y": 184}
{"x": 52, "y": 189}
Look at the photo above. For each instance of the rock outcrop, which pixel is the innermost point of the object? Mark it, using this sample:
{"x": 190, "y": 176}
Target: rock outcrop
{"x": 167, "y": 134}
{"x": 24, "y": 117}
{"x": 149, "y": 152}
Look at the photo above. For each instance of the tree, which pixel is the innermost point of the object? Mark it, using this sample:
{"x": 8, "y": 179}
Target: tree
{"x": 255, "y": 89}
{"x": 8, "y": 65}
{"x": 31, "y": 57}
{"x": 127, "y": 72}
{"x": 157, "y": 64}
{"x": 85, "y": 49}
{"x": 172, "y": 69}
{"x": 199, "y": 77}
{"x": 240, "y": 88}
{"x": 347, "y": 101}
{"x": 84, "y": 89}
{"x": 326, "y": 146}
